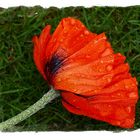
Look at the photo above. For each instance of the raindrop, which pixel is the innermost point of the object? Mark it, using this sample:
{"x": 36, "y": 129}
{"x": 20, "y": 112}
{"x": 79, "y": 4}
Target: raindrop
{"x": 109, "y": 79}
{"x": 116, "y": 85}
{"x": 102, "y": 61}
{"x": 76, "y": 28}
{"x": 86, "y": 32}
{"x": 74, "y": 100}
{"x": 59, "y": 79}
{"x": 88, "y": 56}
{"x": 126, "y": 86}
{"x": 109, "y": 106}
{"x": 118, "y": 123}
{"x": 54, "y": 40}
{"x": 95, "y": 91}
{"x": 100, "y": 70}
{"x": 75, "y": 90}
{"x": 119, "y": 94}
{"x": 61, "y": 40}
{"x": 133, "y": 85}
{"x": 136, "y": 83}
{"x": 109, "y": 67}
{"x": 128, "y": 109}
{"x": 82, "y": 75}
{"x": 72, "y": 21}
{"x": 81, "y": 35}
{"x": 65, "y": 31}
{"x": 132, "y": 95}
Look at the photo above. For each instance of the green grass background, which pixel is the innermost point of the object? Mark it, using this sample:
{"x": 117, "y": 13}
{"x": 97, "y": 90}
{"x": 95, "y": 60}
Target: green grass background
{"x": 21, "y": 85}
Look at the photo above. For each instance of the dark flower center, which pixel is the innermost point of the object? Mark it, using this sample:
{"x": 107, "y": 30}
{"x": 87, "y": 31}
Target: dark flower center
{"x": 52, "y": 67}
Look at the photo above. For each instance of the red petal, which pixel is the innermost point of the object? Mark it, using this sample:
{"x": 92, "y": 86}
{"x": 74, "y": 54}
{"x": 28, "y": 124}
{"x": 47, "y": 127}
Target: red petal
{"x": 40, "y": 48}
{"x": 122, "y": 115}
{"x": 69, "y": 36}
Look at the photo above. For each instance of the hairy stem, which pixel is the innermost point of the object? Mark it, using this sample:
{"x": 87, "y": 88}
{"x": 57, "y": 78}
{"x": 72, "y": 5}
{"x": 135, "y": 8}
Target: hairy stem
{"x": 47, "y": 98}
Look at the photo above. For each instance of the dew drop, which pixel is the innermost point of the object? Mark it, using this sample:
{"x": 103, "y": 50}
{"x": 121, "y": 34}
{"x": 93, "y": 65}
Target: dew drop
{"x": 87, "y": 56}
{"x": 118, "y": 123}
{"x": 75, "y": 90}
{"x": 65, "y": 31}
{"x": 109, "y": 67}
{"x": 72, "y": 21}
{"x": 118, "y": 94}
{"x": 54, "y": 40}
{"x": 119, "y": 54}
{"x": 109, "y": 106}
{"x": 128, "y": 109}
{"x": 95, "y": 91}
{"x": 100, "y": 70}
{"x": 74, "y": 100}
{"x": 102, "y": 61}
{"x": 132, "y": 95}
{"x": 81, "y": 35}
{"x": 109, "y": 79}
{"x": 116, "y": 85}
{"x": 82, "y": 75}
{"x": 59, "y": 79}
{"x": 133, "y": 85}
{"x": 86, "y": 32}
{"x": 61, "y": 40}
{"x": 126, "y": 86}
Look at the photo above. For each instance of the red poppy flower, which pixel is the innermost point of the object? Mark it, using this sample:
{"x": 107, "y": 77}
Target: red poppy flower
{"x": 93, "y": 80}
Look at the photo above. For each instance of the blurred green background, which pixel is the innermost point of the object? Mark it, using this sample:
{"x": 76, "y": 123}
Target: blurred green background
{"x": 21, "y": 85}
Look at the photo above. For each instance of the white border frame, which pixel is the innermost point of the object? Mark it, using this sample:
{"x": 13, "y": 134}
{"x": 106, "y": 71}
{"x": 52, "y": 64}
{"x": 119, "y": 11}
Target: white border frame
{"x": 86, "y": 135}
{"x": 67, "y": 3}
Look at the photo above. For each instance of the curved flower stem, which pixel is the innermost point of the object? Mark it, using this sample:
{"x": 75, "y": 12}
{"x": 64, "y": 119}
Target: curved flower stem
{"x": 47, "y": 98}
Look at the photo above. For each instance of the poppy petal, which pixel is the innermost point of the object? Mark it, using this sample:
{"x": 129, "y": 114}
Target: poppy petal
{"x": 40, "y": 45}
{"x": 69, "y": 36}
{"x": 112, "y": 112}
{"x": 83, "y": 78}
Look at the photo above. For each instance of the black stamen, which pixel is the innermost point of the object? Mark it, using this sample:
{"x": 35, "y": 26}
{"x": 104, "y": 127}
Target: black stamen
{"x": 52, "y": 67}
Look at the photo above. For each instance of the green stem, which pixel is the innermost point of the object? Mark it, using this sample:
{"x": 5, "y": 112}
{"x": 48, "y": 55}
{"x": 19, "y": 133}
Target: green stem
{"x": 47, "y": 98}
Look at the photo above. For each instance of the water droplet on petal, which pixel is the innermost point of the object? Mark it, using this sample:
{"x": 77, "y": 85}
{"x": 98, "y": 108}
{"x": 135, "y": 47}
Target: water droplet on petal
{"x": 136, "y": 83}
{"x": 126, "y": 86}
{"x": 118, "y": 122}
{"x": 100, "y": 70}
{"x": 81, "y": 35}
{"x": 109, "y": 106}
{"x": 133, "y": 85}
{"x": 74, "y": 100}
{"x": 109, "y": 67}
{"x": 65, "y": 31}
{"x": 109, "y": 79}
{"x": 72, "y": 21}
{"x": 88, "y": 56}
{"x": 59, "y": 79}
{"x": 61, "y": 40}
{"x": 76, "y": 28}
{"x": 95, "y": 91}
{"x": 118, "y": 94}
{"x": 86, "y": 32}
{"x": 116, "y": 85}
{"x": 102, "y": 61}
{"x": 82, "y": 75}
{"x": 75, "y": 90}
{"x": 132, "y": 95}
{"x": 54, "y": 40}
{"x": 128, "y": 109}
